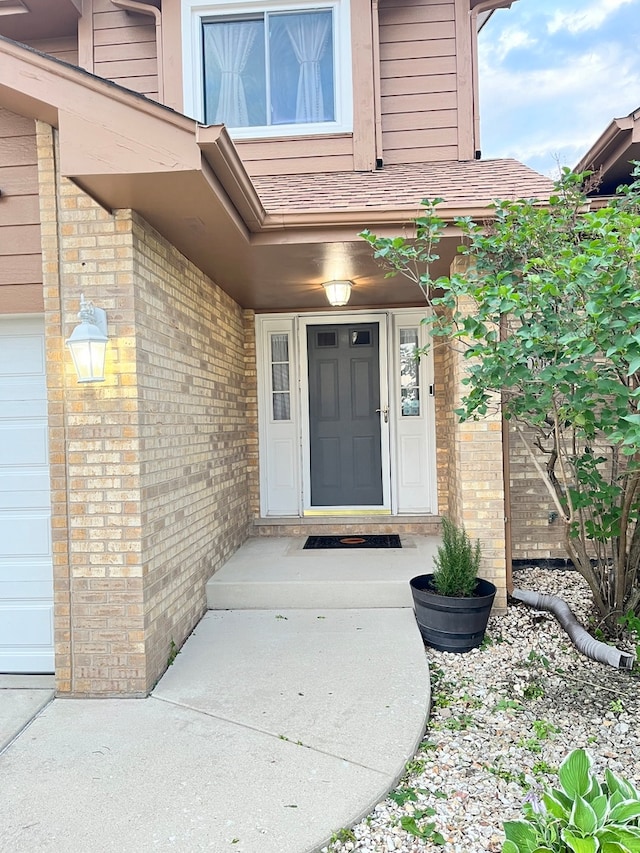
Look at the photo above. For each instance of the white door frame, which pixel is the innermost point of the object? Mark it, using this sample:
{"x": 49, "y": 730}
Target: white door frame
{"x": 408, "y": 445}
{"x": 343, "y": 318}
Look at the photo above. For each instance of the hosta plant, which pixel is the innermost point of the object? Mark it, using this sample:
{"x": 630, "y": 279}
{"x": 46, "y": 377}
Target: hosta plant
{"x": 583, "y": 815}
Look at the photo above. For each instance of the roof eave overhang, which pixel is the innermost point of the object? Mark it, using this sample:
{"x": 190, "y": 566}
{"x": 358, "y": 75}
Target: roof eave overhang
{"x": 610, "y": 155}
{"x": 366, "y": 217}
{"x": 118, "y": 145}
{"x": 607, "y": 145}
{"x": 490, "y": 5}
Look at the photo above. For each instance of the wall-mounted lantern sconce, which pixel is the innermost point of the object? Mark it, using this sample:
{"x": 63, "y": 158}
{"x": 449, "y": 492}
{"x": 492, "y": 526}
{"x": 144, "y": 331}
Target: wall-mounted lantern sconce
{"x": 88, "y": 342}
{"x": 338, "y": 292}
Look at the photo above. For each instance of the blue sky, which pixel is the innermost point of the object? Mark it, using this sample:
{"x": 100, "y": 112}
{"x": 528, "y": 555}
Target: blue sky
{"x": 553, "y": 74}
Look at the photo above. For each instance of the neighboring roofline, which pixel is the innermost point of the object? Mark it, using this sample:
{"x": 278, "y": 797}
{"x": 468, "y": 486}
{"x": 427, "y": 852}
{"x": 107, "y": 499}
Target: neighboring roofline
{"x": 486, "y": 5}
{"x": 610, "y": 142}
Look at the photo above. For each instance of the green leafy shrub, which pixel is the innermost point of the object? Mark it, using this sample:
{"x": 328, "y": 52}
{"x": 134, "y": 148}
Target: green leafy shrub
{"x": 546, "y": 312}
{"x": 457, "y": 563}
{"x": 582, "y": 816}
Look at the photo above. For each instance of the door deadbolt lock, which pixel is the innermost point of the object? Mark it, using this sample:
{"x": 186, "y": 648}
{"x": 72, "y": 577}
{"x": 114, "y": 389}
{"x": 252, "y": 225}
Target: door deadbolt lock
{"x": 385, "y": 412}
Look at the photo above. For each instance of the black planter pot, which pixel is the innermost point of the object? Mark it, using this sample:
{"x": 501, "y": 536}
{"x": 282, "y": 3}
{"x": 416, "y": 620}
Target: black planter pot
{"x": 451, "y": 624}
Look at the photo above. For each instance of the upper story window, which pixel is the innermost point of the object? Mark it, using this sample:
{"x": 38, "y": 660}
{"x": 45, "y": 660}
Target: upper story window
{"x": 277, "y": 71}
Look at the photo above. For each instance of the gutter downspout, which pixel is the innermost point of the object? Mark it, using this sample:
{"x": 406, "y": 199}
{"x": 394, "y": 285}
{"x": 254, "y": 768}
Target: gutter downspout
{"x": 581, "y": 639}
{"x": 150, "y": 11}
{"x": 377, "y": 99}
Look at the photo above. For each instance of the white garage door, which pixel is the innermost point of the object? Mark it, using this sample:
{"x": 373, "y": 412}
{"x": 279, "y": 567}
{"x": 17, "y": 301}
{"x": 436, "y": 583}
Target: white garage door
{"x": 26, "y": 573}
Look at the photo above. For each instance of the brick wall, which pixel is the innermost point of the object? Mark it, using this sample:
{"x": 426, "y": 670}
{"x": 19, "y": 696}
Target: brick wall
{"x": 149, "y": 470}
{"x": 190, "y": 347}
{"x": 534, "y": 535}
{"x": 475, "y": 475}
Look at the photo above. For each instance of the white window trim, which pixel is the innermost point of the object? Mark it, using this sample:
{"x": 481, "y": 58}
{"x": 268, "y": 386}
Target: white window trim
{"x": 195, "y": 11}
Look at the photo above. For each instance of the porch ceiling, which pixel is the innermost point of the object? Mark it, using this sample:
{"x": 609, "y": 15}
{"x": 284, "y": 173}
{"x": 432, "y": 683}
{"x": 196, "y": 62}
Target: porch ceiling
{"x": 265, "y": 247}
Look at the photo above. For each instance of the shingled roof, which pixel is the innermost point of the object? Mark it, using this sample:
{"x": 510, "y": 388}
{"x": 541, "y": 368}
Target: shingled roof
{"x": 475, "y": 183}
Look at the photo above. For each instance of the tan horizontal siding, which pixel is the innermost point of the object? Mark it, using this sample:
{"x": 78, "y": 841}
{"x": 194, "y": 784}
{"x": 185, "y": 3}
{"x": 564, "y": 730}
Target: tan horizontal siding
{"x": 20, "y": 248}
{"x": 392, "y": 52}
{"x": 17, "y": 150}
{"x": 435, "y": 66}
{"x": 418, "y": 81}
{"x": 20, "y": 269}
{"x": 133, "y": 34}
{"x": 401, "y": 12}
{"x": 21, "y": 299}
{"x": 18, "y": 180}
{"x": 19, "y": 210}
{"x": 143, "y": 85}
{"x": 126, "y": 52}
{"x": 418, "y": 120}
{"x": 297, "y": 156}
{"x": 20, "y": 240}
{"x": 300, "y": 166}
{"x": 122, "y": 70}
{"x": 421, "y": 155}
{"x": 433, "y": 137}
{"x": 65, "y": 48}
{"x": 124, "y": 48}
{"x": 417, "y": 32}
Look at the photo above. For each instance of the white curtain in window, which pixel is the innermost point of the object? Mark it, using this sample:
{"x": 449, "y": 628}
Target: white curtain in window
{"x": 229, "y": 44}
{"x": 308, "y": 35}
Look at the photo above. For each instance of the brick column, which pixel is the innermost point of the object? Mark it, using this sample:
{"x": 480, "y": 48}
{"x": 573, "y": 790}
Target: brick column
{"x": 476, "y": 488}
{"x": 94, "y": 449}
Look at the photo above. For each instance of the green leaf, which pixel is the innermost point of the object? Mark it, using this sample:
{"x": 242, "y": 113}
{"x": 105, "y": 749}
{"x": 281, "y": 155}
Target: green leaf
{"x": 509, "y": 847}
{"x": 523, "y": 835}
{"x": 575, "y": 773}
{"x": 624, "y": 836}
{"x": 577, "y": 844}
{"x": 600, "y": 805}
{"x": 555, "y": 807}
{"x": 625, "y": 811}
{"x": 583, "y": 816}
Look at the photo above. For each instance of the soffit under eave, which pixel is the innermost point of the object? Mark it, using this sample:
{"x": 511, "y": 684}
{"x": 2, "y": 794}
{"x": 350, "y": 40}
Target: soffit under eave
{"x": 490, "y": 5}
{"x": 42, "y": 19}
{"x": 609, "y": 144}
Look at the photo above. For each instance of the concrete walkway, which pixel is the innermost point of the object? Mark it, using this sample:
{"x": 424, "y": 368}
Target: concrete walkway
{"x": 271, "y": 730}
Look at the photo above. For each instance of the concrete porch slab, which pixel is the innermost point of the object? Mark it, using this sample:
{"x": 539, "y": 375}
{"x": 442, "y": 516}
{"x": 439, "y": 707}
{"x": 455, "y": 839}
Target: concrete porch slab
{"x": 350, "y": 683}
{"x": 269, "y": 572}
{"x": 266, "y": 735}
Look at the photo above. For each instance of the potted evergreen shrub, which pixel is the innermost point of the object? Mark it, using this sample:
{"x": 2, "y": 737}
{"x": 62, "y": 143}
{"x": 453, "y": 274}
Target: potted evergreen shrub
{"x": 452, "y": 605}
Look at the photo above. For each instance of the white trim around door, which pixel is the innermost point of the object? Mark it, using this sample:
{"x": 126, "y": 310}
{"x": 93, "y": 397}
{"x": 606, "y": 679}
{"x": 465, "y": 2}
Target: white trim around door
{"x": 407, "y": 416}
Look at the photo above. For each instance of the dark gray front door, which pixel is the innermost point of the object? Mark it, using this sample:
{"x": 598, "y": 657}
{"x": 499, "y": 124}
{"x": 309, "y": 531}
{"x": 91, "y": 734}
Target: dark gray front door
{"x": 344, "y": 393}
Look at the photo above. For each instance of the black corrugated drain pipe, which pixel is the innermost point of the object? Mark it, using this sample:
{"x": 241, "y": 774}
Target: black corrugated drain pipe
{"x": 581, "y": 639}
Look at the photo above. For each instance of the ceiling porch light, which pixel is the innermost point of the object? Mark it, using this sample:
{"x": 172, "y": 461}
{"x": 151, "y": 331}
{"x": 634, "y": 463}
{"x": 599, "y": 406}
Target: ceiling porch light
{"x": 88, "y": 342}
{"x": 338, "y": 292}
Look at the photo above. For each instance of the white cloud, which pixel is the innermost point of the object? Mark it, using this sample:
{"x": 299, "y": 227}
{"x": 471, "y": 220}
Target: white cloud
{"x": 589, "y": 18}
{"x": 542, "y": 116}
{"x": 607, "y": 72}
{"x": 511, "y": 38}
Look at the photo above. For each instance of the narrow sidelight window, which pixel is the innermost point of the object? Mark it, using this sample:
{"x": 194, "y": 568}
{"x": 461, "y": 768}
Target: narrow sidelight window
{"x": 409, "y": 373}
{"x": 280, "y": 378}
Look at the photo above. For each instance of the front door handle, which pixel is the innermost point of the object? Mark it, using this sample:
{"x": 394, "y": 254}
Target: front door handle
{"x": 385, "y": 412}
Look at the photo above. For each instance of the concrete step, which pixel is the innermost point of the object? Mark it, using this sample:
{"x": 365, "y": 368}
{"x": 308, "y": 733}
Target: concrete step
{"x": 407, "y": 525}
{"x": 269, "y": 573}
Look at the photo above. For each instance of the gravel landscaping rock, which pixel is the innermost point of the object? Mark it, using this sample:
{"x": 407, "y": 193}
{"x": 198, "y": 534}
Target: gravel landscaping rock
{"x": 502, "y": 720}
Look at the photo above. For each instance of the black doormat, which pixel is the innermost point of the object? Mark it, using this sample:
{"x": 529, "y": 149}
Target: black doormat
{"x": 352, "y": 541}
